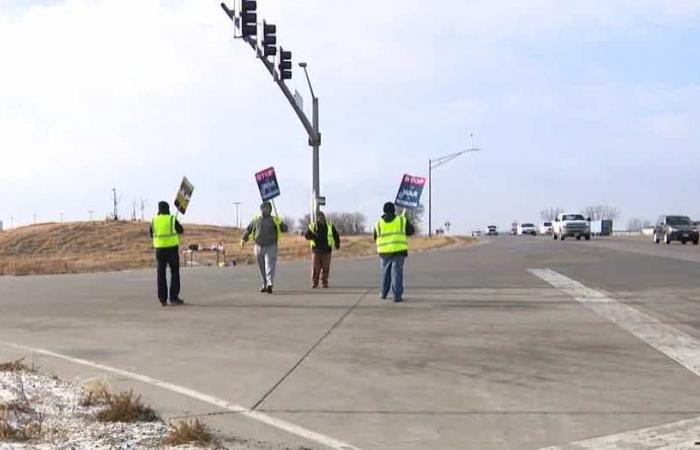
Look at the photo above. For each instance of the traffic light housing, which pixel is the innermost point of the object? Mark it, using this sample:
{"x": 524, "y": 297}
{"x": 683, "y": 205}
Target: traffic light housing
{"x": 269, "y": 39}
{"x": 249, "y": 18}
{"x": 285, "y": 64}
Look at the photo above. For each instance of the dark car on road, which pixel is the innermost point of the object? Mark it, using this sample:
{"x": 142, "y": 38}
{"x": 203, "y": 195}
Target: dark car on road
{"x": 492, "y": 230}
{"x": 676, "y": 228}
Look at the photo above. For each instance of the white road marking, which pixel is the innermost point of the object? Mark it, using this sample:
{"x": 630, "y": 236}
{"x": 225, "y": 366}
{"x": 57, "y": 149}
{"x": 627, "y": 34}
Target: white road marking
{"x": 677, "y": 345}
{"x": 223, "y": 404}
{"x": 671, "y": 436}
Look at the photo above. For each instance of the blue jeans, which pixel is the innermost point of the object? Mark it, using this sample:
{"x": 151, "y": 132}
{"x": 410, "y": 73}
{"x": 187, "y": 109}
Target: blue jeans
{"x": 391, "y": 275}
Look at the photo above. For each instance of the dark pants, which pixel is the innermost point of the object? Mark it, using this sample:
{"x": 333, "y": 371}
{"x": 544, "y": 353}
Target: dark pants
{"x": 168, "y": 257}
{"x": 391, "y": 275}
{"x": 320, "y": 268}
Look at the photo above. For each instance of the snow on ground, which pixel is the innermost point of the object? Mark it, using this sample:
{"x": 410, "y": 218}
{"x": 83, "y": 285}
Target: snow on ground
{"x": 55, "y": 405}
{"x": 68, "y": 425}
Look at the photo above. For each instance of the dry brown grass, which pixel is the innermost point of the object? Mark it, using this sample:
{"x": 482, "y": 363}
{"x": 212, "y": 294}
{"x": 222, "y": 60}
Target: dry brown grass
{"x": 193, "y": 432}
{"x": 17, "y": 365}
{"x": 29, "y": 431}
{"x": 125, "y": 407}
{"x": 19, "y": 422}
{"x": 107, "y": 246}
{"x": 95, "y": 392}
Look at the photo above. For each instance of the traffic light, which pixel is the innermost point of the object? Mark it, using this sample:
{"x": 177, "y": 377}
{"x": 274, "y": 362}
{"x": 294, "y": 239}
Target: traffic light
{"x": 249, "y": 18}
{"x": 269, "y": 39}
{"x": 285, "y": 65}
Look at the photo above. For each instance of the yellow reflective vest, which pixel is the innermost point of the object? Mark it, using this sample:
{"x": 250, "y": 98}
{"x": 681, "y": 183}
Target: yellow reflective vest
{"x": 331, "y": 240}
{"x": 164, "y": 233}
{"x": 391, "y": 236}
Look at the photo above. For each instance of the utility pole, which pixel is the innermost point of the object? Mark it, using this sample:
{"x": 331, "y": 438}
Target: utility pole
{"x": 34, "y": 215}
{"x": 238, "y": 223}
{"x": 433, "y": 164}
{"x": 143, "y": 208}
{"x": 115, "y": 215}
{"x": 90, "y": 212}
{"x": 61, "y": 217}
{"x": 246, "y": 24}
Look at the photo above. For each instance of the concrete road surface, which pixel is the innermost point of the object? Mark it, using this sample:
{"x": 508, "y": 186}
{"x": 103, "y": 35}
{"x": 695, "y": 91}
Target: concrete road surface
{"x": 518, "y": 343}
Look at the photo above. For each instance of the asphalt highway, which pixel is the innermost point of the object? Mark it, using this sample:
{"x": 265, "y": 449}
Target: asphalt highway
{"x": 516, "y": 343}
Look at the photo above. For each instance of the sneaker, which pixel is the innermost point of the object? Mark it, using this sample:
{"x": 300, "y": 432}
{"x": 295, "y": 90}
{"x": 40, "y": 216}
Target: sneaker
{"x": 398, "y": 300}
{"x": 314, "y": 286}
{"x": 325, "y": 286}
{"x": 164, "y": 304}
{"x": 383, "y": 297}
{"x": 263, "y": 289}
{"x": 178, "y": 301}
{"x": 269, "y": 290}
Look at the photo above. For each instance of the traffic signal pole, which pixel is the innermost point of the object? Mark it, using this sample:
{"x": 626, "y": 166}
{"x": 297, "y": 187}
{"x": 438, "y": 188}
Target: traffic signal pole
{"x": 311, "y": 126}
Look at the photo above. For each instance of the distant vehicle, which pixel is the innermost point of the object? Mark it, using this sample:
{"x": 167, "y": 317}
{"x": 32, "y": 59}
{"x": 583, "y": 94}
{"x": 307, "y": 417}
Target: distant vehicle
{"x": 571, "y": 225}
{"x": 476, "y": 233}
{"x": 546, "y": 228}
{"x": 601, "y": 227}
{"x": 492, "y": 230}
{"x": 527, "y": 228}
{"x": 675, "y": 228}
{"x": 514, "y": 228}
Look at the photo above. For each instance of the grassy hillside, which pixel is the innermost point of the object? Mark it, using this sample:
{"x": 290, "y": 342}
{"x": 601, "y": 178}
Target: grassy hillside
{"x": 106, "y": 246}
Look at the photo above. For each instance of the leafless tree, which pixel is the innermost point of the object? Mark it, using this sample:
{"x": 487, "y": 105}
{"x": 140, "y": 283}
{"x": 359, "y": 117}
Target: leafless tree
{"x": 551, "y": 213}
{"x": 634, "y": 225}
{"x": 345, "y": 223}
{"x": 637, "y": 224}
{"x": 602, "y": 212}
{"x": 289, "y": 221}
{"x": 303, "y": 222}
{"x": 415, "y": 215}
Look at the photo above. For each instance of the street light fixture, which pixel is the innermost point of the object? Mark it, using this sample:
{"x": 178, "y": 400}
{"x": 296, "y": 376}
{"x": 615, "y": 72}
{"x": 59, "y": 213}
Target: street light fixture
{"x": 434, "y": 164}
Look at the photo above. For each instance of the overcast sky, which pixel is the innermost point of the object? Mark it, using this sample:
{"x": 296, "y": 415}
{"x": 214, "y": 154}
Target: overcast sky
{"x": 573, "y": 103}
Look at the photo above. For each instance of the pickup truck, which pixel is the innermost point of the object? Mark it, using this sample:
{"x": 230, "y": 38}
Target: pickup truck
{"x": 571, "y": 225}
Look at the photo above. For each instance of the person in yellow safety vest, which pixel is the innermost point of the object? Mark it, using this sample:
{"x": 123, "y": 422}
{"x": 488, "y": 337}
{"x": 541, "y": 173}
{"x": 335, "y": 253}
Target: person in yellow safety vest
{"x": 322, "y": 236}
{"x": 391, "y": 235}
{"x": 266, "y": 230}
{"x": 166, "y": 231}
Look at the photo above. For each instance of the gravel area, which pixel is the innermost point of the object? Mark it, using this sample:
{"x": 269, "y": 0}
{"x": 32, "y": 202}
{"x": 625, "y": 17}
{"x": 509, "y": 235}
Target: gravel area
{"x": 50, "y": 410}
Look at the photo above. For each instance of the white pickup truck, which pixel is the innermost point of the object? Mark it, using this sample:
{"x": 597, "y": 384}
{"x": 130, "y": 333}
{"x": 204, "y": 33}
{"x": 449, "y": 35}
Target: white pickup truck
{"x": 571, "y": 225}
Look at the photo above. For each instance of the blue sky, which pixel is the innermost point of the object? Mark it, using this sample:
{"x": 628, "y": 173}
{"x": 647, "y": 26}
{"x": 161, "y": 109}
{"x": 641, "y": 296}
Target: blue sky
{"x": 573, "y": 103}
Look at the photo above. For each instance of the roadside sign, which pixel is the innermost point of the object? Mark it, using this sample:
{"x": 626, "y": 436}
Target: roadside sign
{"x": 267, "y": 184}
{"x": 184, "y": 195}
{"x": 410, "y": 191}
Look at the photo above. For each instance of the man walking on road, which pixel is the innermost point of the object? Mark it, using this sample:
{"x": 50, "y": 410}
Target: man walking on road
{"x": 266, "y": 230}
{"x": 391, "y": 235}
{"x": 323, "y": 236}
{"x": 166, "y": 231}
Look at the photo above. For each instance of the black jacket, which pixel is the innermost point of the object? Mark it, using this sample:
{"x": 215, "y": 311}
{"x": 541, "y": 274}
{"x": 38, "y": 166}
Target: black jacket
{"x": 321, "y": 239}
{"x": 410, "y": 231}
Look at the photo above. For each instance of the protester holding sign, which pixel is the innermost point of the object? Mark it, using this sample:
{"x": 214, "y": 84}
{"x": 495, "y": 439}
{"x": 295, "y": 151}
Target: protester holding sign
{"x": 391, "y": 235}
{"x": 166, "y": 231}
{"x": 323, "y": 236}
{"x": 266, "y": 230}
